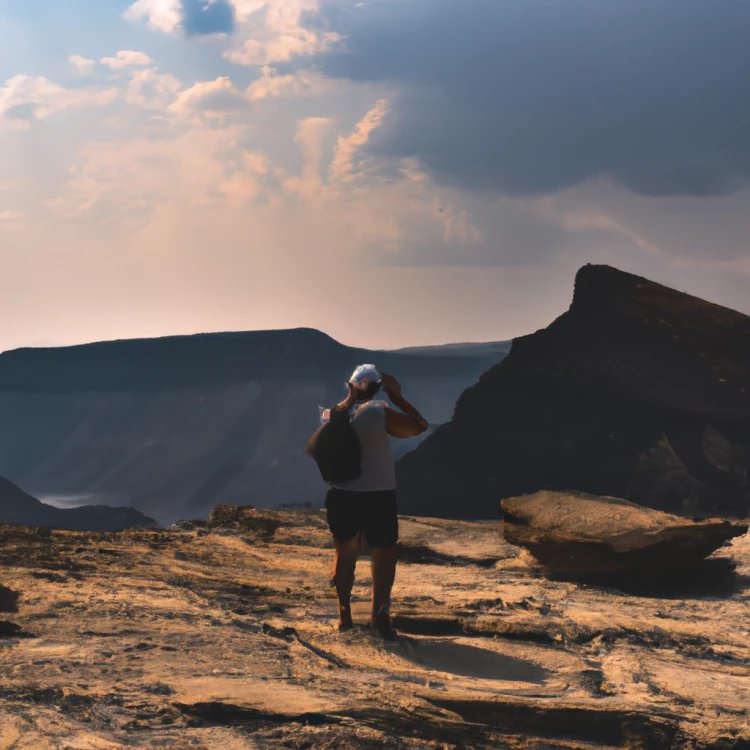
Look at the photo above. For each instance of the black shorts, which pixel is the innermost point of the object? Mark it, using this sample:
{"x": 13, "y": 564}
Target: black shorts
{"x": 373, "y": 513}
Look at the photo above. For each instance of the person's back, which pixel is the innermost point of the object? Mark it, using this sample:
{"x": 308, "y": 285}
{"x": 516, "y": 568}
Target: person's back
{"x": 378, "y": 468}
{"x": 366, "y": 506}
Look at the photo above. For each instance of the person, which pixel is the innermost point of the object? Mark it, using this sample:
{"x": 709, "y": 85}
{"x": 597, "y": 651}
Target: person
{"x": 362, "y": 513}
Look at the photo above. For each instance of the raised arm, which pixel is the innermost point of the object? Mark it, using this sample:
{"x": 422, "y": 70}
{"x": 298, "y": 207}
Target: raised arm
{"x": 401, "y": 425}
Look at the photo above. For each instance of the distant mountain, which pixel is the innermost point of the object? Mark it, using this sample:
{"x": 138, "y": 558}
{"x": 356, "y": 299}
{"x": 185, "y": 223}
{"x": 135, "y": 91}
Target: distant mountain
{"x": 173, "y": 426}
{"x": 18, "y": 507}
{"x": 638, "y": 391}
{"x": 497, "y": 349}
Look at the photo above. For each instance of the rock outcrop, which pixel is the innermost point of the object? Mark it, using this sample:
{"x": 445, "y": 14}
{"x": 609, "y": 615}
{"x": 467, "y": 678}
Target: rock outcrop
{"x": 578, "y": 535}
{"x": 17, "y": 507}
{"x": 263, "y": 523}
{"x": 8, "y": 603}
{"x": 8, "y": 599}
{"x": 638, "y": 391}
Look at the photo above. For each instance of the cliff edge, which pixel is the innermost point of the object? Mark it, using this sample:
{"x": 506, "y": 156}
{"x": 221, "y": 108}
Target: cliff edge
{"x": 638, "y": 391}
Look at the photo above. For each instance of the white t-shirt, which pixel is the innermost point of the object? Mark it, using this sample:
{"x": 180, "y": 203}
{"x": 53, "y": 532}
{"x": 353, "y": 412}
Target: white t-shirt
{"x": 378, "y": 467}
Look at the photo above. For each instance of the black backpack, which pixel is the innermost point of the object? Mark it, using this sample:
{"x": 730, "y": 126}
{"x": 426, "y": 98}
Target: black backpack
{"x": 335, "y": 448}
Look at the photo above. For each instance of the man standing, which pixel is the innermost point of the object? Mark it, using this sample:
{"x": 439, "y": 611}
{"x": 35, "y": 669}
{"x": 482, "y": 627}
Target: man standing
{"x": 366, "y": 507}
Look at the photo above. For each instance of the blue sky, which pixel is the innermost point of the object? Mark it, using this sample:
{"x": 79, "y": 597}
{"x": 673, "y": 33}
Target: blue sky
{"x": 393, "y": 172}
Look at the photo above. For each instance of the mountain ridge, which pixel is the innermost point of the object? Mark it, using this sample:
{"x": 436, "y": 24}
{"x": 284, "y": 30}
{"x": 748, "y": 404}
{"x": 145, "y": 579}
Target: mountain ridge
{"x": 169, "y": 361}
{"x": 18, "y": 507}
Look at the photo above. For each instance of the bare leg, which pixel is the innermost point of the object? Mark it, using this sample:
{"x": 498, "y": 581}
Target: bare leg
{"x": 383, "y": 563}
{"x": 344, "y": 564}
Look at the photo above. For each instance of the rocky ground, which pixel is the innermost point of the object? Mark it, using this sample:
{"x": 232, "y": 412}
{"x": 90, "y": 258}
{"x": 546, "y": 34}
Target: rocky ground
{"x": 223, "y": 638}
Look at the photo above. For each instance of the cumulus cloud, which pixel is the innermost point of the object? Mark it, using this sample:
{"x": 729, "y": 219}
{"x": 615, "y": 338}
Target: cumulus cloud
{"x": 256, "y": 162}
{"x": 82, "y": 64}
{"x": 343, "y": 167}
{"x": 163, "y": 15}
{"x": 213, "y": 98}
{"x": 152, "y": 90}
{"x": 271, "y": 84}
{"x": 281, "y": 30}
{"x": 24, "y": 98}
{"x": 528, "y": 97}
{"x": 126, "y": 58}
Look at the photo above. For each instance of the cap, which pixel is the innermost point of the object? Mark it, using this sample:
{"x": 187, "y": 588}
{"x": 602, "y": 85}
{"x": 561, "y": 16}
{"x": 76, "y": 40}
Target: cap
{"x": 364, "y": 376}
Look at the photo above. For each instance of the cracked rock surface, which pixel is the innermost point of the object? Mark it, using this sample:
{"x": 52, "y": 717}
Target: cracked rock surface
{"x": 221, "y": 638}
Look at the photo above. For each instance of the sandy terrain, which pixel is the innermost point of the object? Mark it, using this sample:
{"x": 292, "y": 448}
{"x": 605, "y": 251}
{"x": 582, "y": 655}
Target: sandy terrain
{"x": 220, "y": 639}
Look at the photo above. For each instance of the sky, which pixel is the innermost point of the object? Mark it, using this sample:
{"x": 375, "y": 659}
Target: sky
{"x": 392, "y": 172}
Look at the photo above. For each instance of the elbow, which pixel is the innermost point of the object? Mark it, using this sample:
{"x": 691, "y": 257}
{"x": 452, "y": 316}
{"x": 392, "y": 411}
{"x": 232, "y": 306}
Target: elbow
{"x": 422, "y": 427}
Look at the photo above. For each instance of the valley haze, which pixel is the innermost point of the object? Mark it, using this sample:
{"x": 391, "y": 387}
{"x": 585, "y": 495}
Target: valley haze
{"x": 173, "y": 426}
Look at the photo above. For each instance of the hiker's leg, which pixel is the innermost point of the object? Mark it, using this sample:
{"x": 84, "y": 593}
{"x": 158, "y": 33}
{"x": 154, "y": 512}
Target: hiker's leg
{"x": 344, "y": 564}
{"x": 381, "y": 531}
{"x": 341, "y": 511}
{"x": 383, "y": 564}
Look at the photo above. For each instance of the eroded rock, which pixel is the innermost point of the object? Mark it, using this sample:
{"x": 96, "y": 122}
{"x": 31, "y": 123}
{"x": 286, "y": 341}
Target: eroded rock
{"x": 584, "y": 535}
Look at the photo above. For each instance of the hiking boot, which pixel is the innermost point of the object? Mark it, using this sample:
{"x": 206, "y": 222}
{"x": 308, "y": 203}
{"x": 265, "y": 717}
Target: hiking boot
{"x": 345, "y": 622}
{"x": 381, "y": 624}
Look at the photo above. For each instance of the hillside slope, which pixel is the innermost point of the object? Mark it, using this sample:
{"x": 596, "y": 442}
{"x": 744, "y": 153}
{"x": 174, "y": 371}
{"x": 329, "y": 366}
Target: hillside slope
{"x": 173, "y": 426}
{"x": 638, "y": 391}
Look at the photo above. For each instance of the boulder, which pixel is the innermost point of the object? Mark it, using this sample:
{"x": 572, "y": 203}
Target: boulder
{"x": 577, "y": 535}
{"x": 637, "y": 391}
{"x": 8, "y": 599}
{"x": 8, "y": 603}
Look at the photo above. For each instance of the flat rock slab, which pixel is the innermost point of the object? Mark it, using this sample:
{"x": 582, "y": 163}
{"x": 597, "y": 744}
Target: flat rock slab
{"x": 572, "y": 533}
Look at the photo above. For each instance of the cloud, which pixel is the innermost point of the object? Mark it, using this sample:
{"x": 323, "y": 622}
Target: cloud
{"x": 343, "y": 167}
{"x": 256, "y": 162}
{"x": 12, "y": 221}
{"x": 319, "y": 202}
{"x": 202, "y": 17}
{"x": 24, "y": 98}
{"x": 527, "y": 97}
{"x": 271, "y": 84}
{"x": 281, "y": 30}
{"x": 193, "y": 17}
{"x": 125, "y": 181}
{"x": 127, "y": 59}
{"x": 309, "y": 138}
{"x": 163, "y": 15}
{"x": 152, "y": 90}
{"x": 82, "y": 64}
{"x": 212, "y": 98}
